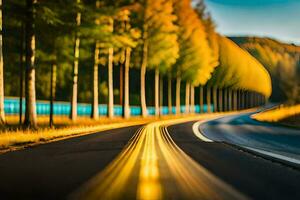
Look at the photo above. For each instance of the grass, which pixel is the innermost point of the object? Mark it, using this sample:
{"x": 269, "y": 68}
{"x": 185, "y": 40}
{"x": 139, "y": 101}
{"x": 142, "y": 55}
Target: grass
{"x": 278, "y": 114}
{"x": 12, "y": 137}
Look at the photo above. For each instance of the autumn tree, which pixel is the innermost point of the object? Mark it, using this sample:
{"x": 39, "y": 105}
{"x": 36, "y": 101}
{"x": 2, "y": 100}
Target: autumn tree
{"x": 160, "y": 47}
{"x": 195, "y": 60}
{"x": 242, "y": 73}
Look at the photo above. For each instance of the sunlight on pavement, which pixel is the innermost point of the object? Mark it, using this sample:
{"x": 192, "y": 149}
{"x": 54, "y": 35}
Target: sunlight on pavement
{"x": 153, "y": 167}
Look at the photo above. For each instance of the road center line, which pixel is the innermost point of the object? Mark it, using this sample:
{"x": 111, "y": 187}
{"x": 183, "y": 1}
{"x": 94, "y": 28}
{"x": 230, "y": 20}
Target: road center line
{"x": 150, "y": 166}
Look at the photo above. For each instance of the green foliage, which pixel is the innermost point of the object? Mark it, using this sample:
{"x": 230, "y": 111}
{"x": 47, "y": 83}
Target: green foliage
{"x": 182, "y": 42}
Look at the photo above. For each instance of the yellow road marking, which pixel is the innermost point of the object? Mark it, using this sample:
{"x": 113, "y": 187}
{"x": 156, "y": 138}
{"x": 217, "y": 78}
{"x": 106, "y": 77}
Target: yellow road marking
{"x": 153, "y": 167}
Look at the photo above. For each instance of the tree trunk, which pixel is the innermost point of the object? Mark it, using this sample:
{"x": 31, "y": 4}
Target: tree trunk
{"x": 110, "y": 83}
{"x": 161, "y": 93}
{"x": 187, "y": 97}
{"x": 242, "y": 100}
{"x": 2, "y": 113}
{"x": 95, "y": 103}
{"x": 178, "y": 84}
{"x": 265, "y": 100}
{"x": 121, "y": 84}
{"x": 73, "y": 114}
{"x": 156, "y": 91}
{"x": 234, "y": 100}
{"x": 22, "y": 61}
{"x": 126, "y": 107}
{"x": 247, "y": 99}
{"x": 225, "y": 99}
{"x": 208, "y": 99}
{"x": 238, "y": 99}
{"x": 192, "y": 108}
{"x": 170, "y": 106}
{"x": 143, "y": 73}
{"x": 201, "y": 96}
{"x": 215, "y": 99}
{"x": 220, "y": 100}
{"x": 229, "y": 100}
{"x": 251, "y": 99}
{"x": 52, "y": 92}
{"x": 30, "y": 114}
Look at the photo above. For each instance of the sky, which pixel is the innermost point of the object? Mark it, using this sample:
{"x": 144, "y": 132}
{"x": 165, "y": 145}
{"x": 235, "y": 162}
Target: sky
{"x": 279, "y": 19}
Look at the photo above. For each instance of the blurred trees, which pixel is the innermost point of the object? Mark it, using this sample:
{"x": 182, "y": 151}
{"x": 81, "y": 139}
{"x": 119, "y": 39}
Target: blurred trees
{"x": 98, "y": 51}
{"x": 283, "y": 63}
{"x": 194, "y": 64}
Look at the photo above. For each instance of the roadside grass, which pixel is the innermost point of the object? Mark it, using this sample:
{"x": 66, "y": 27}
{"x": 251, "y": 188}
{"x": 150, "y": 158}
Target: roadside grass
{"x": 12, "y": 137}
{"x": 278, "y": 114}
{"x": 64, "y": 121}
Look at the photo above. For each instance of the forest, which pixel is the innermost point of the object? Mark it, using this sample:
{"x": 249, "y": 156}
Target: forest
{"x": 130, "y": 52}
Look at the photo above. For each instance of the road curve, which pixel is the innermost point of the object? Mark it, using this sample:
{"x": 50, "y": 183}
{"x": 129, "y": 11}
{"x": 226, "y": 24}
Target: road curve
{"x": 251, "y": 175}
{"x": 161, "y": 160}
{"x": 264, "y": 138}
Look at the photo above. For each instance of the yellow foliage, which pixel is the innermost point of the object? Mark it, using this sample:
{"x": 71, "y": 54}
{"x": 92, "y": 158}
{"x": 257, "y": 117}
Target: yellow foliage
{"x": 161, "y": 34}
{"x": 238, "y": 69}
{"x": 195, "y": 61}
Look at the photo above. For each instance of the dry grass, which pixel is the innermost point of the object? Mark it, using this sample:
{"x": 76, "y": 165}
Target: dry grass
{"x": 12, "y": 138}
{"x": 278, "y": 114}
{"x": 21, "y": 137}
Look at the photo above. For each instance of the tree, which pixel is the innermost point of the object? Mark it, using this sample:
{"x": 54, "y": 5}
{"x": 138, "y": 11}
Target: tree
{"x": 195, "y": 60}
{"x": 214, "y": 47}
{"x": 281, "y": 60}
{"x": 160, "y": 47}
{"x": 244, "y": 72}
{"x": 95, "y": 102}
{"x": 170, "y": 105}
{"x": 73, "y": 114}
{"x": 30, "y": 95}
{"x": 2, "y": 113}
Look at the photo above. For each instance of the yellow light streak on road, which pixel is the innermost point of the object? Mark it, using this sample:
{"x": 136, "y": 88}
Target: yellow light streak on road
{"x": 153, "y": 167}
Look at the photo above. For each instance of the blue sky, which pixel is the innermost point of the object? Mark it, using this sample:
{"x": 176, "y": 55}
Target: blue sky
{"x": 279, "y": 19}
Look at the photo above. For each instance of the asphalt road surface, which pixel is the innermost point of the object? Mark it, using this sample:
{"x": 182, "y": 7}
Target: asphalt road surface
{"x": 242, "y": 130}
{"x": 254, "y": 176}
{"x": 163, "y": 160}
{"x": 54, "y": 170}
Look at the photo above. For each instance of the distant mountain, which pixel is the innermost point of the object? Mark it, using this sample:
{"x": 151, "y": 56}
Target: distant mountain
{"x": 281, "y": 60}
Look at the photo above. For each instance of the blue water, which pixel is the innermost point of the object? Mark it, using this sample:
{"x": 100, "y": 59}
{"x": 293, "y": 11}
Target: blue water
{"x": 11, "y": 106}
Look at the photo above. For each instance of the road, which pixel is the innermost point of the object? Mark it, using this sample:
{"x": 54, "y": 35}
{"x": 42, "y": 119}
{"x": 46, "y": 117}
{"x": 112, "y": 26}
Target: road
{"x": 254, "y": 176}
{"x": 277, "y": 141}
{"x": 162, "y": 160}
{"x": 54, "y": 170}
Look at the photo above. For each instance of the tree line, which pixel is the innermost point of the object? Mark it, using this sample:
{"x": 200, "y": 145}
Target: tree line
{"x": 283, "y": 63}
{"x": 60, "y": 48}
